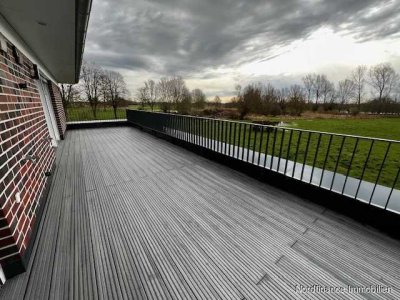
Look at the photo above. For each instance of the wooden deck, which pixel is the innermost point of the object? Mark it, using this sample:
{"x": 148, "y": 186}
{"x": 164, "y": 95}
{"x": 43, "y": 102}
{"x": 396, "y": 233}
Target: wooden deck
{"x": 131, "y": 216}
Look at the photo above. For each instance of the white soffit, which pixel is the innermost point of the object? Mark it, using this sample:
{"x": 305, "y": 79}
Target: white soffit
{"x": 47, "y": 27}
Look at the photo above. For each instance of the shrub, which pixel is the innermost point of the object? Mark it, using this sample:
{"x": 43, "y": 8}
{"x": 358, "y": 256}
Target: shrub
{"x": 354, "y": 111}
{"x": 275, "y": 109}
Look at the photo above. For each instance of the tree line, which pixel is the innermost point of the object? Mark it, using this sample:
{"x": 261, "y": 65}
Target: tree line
{"x": 318, "y": 93}
{"x": 375, "y": 89}
{"x": 382, "y": 80}
{"x": 170, "y": 93}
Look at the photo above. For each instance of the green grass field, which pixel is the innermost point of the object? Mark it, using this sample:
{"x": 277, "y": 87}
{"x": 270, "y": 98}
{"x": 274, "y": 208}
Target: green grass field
{"x": 86, "y": 113}
{"x": 386, "y": 128}
{"x": 334, "y": 154}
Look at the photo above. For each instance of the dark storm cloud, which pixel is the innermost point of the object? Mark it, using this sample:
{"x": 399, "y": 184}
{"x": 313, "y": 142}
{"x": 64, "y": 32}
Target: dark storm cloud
{"x": 190, "y": 36}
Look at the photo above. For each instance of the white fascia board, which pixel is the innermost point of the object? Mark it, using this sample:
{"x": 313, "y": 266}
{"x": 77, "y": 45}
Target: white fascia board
{"x": 9, "y": 33}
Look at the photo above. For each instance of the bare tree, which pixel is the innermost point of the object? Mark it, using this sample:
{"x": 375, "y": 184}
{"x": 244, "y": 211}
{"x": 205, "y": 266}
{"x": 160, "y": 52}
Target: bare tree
{"x": 250, "y": 99}
{"x": 151, "y": 92}
{"x": 217, "y": 101}
{"x": 327, "y": 88}
{"x": 296, "y": 92}
{"x": 269, "y": 94}
{"x": 320, "y": 83}
{"x": 104, "y": 89}
{"x": 345, "y": 92}
{"x": 184, "y": 106}
{"x": 68, "y": 94}
{"x": 382, "y": 79}
{"x": 116, "y": 87}
{"x": 199, "y": 98}
{"x": 91, "y": 84}
{"x": 282, "y": 96}
{"x": 396, "y": 92}
{"x": 165, "y": 94}
{"x": 296, "y": 100}
{"x": 308, "y": 82}
{"x": 142, "y": 96}
{"x": 238, "y": 89}
{"x": 359, "y": 78}
{"x": 172, "y": 91}
{"x": 178, "y": 89}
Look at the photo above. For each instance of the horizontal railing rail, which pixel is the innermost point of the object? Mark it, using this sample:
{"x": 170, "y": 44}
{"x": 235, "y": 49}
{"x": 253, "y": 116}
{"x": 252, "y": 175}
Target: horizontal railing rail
{"x": 270, "y": 126}
{"x": 364, "y": 168}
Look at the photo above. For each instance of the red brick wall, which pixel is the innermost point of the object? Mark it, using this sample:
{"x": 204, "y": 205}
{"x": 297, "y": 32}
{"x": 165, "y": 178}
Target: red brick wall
{"x": 58, "y": 108}
{"x": 23, "y": 131}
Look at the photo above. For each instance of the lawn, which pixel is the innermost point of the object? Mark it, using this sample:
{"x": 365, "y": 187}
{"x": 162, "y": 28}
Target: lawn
{"x": 335, "y": 153}
{"x": 86, "y": 113}
{"x": 386, "y": 128}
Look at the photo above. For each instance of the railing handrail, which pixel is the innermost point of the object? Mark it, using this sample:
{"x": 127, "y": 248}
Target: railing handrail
{"x": 277, "y": 127}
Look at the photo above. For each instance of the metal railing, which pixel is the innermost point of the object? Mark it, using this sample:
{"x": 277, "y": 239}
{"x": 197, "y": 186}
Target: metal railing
{"x": 363, "y": 168}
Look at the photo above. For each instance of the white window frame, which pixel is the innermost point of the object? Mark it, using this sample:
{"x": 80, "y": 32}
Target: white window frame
{"x": 48, "y": 110}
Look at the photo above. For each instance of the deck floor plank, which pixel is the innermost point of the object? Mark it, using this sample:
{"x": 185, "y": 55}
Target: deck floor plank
{"x": 131, "y": 216}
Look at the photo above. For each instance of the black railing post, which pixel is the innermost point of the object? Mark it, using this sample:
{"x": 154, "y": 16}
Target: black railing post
{"x": 244, "y": 140}
{"x": 181, "y": 125}
{"x": 280, "y": 149}
{"x": 266, "y": 147}
{"x": 197, "y": 130}
{"x": 187, "y": 130}
{"x": 248, "y": 142}
{"x": 254, "y": 144}
{"x": 297, "y": 152}
{"x": 209, "y": 134}
{"x": 273, "y": 149}
{"x": 350, "y": 164}
{"x": 175, "y": 121}
{"x": 226, "y": 136}
{"x": 380, "y": 171}
{"x": 337, "y": 163}
{"x": 288, "y": 150}
{"x": 364, "y": 168}
{"x": 305, "y": 155}
{"x": 315, "y": 157}
{"x": 221, "y": 136}
{"x": 215, "y": 134}
{"x": 238, "y": 145}
{"x": 326, "y": 159}
{"x": 202, "y": 132}
{"x": 230, "y": 138}
{"x": 260, "y": 147}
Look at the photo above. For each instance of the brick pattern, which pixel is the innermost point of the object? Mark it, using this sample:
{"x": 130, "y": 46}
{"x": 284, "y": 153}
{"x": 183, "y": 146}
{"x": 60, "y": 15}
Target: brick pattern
{"x": 58, "y": 108}
{"x": 23, "y": 131}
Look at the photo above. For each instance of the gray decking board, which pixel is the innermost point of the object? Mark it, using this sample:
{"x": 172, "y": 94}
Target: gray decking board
{"x": 130, "y": 216}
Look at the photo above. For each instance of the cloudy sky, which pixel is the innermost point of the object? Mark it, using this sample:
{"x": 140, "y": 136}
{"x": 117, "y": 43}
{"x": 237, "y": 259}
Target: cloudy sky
{"x": 215, "y": 44}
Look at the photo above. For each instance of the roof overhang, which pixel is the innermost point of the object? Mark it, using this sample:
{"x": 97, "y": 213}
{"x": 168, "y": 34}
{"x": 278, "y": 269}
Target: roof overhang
{"x": 54, "y": 31}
